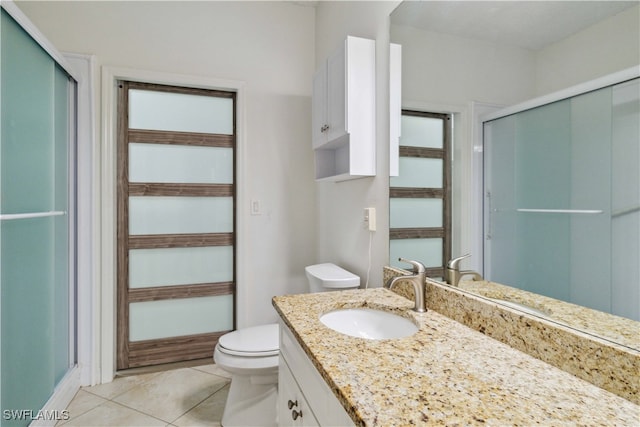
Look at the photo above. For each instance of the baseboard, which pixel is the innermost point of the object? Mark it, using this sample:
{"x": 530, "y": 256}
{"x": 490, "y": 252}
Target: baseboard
{"x": 55, "y": 409}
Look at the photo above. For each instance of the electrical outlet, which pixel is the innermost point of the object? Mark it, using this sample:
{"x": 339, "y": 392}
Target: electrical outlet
{"x": 370, "y": 219}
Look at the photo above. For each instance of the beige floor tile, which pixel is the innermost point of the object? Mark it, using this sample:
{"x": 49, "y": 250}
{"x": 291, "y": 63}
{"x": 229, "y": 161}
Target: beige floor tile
{"x": 82, "y": 402}
{"x": 208, "y": 413}
{"x": 120, "y": 385}
{"x": 213, "y": 369}
{"x": 171, "y": 394}
{"x": 114, "y": 415}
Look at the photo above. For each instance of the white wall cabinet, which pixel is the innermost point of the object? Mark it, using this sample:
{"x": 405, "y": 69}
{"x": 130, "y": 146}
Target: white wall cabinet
{"x": 343, "y": 112}
{"x": 304, "y": 398}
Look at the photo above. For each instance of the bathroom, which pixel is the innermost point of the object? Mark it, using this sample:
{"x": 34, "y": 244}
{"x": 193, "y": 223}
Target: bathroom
{"x": 298, "y": 222}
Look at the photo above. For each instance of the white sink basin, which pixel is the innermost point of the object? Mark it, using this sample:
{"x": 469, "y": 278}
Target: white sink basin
{"x": 369, "y": 323}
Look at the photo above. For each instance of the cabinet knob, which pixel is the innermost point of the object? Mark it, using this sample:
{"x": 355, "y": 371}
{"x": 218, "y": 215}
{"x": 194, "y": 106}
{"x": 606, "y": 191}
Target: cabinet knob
{"x": 291, "y": 404}
{"x": 296, "y": 414}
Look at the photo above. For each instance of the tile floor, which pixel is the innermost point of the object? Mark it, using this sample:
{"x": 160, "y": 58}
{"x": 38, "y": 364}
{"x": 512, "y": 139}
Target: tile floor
{"x": 193, "y": 396}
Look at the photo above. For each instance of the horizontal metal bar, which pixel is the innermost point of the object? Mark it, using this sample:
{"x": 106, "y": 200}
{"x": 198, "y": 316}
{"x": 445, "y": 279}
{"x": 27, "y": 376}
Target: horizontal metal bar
{"x": 622, "y": 212}
{"x": 31, "y": 215}
{"x": 566, "y": 211}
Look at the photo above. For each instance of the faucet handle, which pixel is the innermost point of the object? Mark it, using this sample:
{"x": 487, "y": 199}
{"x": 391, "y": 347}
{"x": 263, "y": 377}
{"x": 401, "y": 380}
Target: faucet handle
{"x": 453, "y": 264}
{"x": 418, "y": 267}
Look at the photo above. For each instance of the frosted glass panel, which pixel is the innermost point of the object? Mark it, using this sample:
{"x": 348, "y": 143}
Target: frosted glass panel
{"x": 418, "y": 172}
{"x": 408, "y": 213}
{"x": 179, "y": 266}
{"x": 625, "y": 199}
{"x": 579, "y": 156}
{"x": 176, "y": 215}
{"x": 180, "y": 112}
{"x": 61, "y": 313}
{"x": 185, "y": 316}
{"x": 34, "y": 261}
{"x": 180, "y": 164}
{"x": 427, "y": 251}
{"x": 421, "y": 132}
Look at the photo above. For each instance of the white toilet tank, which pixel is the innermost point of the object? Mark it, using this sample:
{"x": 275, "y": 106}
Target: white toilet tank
{"x": 330, "y": 277}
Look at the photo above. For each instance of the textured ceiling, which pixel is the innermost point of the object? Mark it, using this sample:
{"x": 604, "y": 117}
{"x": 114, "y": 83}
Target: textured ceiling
{"x": 527, "y": 24}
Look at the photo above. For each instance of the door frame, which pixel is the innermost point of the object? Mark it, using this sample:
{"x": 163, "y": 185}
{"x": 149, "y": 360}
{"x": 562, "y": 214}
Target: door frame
{"x": 106, "y": 330}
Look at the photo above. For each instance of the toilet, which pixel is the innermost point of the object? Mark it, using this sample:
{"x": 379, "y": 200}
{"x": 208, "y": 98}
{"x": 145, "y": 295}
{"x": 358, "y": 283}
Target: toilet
{"x": 251, "y": 356}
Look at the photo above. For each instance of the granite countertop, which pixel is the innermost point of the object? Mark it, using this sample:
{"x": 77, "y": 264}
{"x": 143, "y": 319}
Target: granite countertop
{"x": 618, "y": 329}
{"x": 446, "y": 373}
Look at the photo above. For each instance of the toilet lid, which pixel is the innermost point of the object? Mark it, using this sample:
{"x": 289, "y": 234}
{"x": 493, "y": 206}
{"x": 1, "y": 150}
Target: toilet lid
{"x": 254, "y": 341}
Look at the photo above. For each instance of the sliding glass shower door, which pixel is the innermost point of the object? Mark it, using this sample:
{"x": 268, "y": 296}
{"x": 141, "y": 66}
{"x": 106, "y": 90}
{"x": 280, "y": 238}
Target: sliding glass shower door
{"x": 36, "y": 225}
{"x": 560, "y": 180}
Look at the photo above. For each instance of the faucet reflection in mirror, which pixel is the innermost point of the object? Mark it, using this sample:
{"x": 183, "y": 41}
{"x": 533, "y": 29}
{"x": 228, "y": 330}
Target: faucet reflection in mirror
{"x": 453, "y": 274}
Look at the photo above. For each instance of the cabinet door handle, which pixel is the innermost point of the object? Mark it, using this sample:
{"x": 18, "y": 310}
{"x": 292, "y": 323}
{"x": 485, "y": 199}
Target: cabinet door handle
{"x": 291, "y": 404}
{"x": 296, "y": 414}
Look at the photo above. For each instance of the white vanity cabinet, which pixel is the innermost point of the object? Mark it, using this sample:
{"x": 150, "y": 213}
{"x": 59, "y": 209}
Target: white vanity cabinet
{"x": 304, "y": 398}
{"x": 343, "y": 112}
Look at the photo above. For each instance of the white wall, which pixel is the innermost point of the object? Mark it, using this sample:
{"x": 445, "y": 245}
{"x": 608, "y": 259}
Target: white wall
{"x": 267, "y": 45}
{"x": 445, "y": 73}
{"x": 340, "y": 206}
{"x": 604, "y": 48}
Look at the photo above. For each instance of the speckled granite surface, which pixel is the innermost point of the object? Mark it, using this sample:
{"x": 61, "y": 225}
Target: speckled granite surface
{"x": 617, "y": 329}
{"x": 446, "y": 373}
{"x": 608, "y": 365}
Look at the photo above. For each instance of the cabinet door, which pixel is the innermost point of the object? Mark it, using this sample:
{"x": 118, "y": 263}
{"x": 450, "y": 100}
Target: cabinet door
{"x": 319, "y": 107}
{"x": 293, "y": 409}
{"x": 336, "y": 94}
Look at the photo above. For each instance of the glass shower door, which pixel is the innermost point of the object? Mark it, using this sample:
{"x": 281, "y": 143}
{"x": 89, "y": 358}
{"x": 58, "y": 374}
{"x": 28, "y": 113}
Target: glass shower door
{"x": 36, "y": 270}
{"x": 549, "y": 183}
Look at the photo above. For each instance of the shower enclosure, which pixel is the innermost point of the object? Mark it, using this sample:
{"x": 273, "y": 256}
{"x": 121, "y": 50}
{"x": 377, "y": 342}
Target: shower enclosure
{"x": 37, "y": 230}
{"x": 562, "y": 199}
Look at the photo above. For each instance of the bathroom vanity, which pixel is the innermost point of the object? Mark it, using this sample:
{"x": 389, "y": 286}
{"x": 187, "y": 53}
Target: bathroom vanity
{"x": 445, "y": 373}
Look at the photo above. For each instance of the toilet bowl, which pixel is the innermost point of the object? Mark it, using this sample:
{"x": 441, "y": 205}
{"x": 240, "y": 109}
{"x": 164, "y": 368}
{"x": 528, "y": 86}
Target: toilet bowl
{"x": 251, "y": 356}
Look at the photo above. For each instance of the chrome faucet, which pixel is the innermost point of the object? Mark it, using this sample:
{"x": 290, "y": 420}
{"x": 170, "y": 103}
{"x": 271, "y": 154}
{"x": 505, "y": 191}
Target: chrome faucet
{"x": 417, "y": 279}
{"x": 453, "y": 274}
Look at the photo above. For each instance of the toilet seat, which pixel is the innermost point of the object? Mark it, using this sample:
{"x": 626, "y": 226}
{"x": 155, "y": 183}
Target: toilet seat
{"x": 255, "y": 341}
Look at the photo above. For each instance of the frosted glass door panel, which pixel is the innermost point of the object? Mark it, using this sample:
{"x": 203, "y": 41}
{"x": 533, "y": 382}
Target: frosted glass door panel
{"x": 421, "y": 132}
{"x": 180, "y": 164}
{"x": 543, "y": 181}
{"x": 35, "y": 288}
{"x": 27, "y": 122}
{"x": 427, "y": 251}
{"x": 27, "y": 311}
{"x": 590, "y": 252}
{"x": 61, "y": 317}
{"x": 179, "y": 266}
{"x": 414, "y": 213}
{"x": 625, "y": 199}
{"x": 177, "y": 317}
{"x": 179, "y": 215}
{"x": 566, "y": 158}
{"x": 180, "y": 112}
{"x": 418, "y": 172}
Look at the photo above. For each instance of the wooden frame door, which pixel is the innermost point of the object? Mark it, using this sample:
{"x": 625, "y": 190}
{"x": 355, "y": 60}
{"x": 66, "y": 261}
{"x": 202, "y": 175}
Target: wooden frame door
{"x": 418, "y": 185}
{"x": 169, "y": 281}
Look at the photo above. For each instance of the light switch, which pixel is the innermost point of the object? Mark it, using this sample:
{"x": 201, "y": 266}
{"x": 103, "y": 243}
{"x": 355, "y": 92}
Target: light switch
{"x": 255, "y": 207}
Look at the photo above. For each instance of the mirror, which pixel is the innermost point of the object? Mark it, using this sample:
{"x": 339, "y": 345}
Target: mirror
{"x": 501, "y": 54}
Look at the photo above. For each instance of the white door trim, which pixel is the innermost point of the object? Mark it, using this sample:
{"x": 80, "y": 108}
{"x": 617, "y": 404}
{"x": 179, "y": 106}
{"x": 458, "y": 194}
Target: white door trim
{"x": 106, "y": 330}
{"x": 87, "y": 176}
